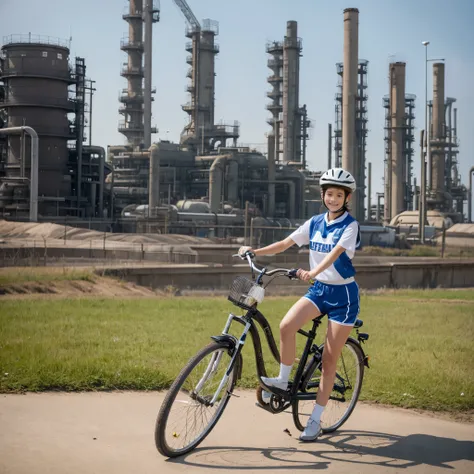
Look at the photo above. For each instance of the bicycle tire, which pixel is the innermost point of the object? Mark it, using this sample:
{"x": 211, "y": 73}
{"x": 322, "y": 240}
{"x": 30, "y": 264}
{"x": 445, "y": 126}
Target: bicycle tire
{"x": 163, "y": 415}
{"x": 355, "y": 346}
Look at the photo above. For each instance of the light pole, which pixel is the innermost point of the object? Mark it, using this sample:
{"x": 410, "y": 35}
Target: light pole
{"x": 424, "y": 158}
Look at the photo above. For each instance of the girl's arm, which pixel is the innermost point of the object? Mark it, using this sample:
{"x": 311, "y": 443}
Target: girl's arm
{"x": 329, "y": 259}
{"x": 272, "y": 249}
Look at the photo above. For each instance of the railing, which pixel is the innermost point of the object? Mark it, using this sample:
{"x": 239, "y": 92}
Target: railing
{"x": 274, "y": 107}
{"x": 275, "y": 78}
{"x": 214, "y": 47}
{"x": 125, "y": 96}
{"x": 125, "y": 43}
{"x": 275, "y": 62}
{"x": 273, "y": 46}
{"x": 129, "y": 126}
{"x": 130, "y": 70}
{"x": 36, "y": 39}
{"x": 211, "y": 26}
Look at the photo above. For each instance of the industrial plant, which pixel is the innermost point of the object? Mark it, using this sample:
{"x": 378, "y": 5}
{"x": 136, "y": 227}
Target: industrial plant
{"x": 206, "y": 184}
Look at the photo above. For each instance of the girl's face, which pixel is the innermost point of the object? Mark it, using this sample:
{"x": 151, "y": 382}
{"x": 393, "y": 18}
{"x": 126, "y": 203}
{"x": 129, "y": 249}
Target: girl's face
{"x": 334, "y": 198}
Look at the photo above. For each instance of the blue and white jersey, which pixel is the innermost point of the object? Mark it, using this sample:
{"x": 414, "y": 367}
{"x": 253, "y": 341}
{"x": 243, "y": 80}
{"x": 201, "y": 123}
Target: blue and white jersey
{"x": 322, "y": 236}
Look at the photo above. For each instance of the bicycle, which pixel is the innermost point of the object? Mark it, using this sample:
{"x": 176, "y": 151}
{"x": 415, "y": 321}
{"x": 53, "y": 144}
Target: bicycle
{"x": 221, "y": 365}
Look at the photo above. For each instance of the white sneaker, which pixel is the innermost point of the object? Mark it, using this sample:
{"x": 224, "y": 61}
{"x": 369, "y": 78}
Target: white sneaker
{"x": 275, "y": 382}
{"x": 266, "y": 396}
{"x": 311, "y": 432}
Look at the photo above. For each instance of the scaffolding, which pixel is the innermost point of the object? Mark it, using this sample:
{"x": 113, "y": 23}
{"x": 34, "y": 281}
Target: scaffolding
{"x": 275, "y": 107}
{"x": 409, "y": 190}
{"x": 360, "y": 128}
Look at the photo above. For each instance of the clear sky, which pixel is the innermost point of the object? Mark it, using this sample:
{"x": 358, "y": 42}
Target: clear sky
{"x": 388, "y": 30}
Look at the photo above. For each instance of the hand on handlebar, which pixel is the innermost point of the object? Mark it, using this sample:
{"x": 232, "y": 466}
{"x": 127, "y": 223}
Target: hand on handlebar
{"x": 244, "y": 251}
{"x": 299, "y": 273}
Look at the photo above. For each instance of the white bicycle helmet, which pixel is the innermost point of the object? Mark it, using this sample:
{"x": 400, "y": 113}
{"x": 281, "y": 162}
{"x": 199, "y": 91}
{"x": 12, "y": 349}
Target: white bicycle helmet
{"x": 338, "y": 177}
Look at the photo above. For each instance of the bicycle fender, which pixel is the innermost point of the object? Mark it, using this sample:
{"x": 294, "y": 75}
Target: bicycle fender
{"x": 231, "y": 342}
{"x": 366, "y": 359}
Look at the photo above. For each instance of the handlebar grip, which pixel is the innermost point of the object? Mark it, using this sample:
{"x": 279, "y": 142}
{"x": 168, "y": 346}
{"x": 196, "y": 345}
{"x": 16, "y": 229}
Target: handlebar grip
{"x": 292, "y": 273}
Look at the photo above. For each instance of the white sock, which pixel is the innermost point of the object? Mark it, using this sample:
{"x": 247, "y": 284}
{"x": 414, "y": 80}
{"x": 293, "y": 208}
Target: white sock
{"x": 285, "y": 371}
{"x": 317, "y": 412}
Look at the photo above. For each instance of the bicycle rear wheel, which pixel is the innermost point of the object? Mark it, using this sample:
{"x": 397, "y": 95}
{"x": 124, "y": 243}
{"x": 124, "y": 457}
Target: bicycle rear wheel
{"x": 343, "y": 398}
{"x": 186, "y": 416}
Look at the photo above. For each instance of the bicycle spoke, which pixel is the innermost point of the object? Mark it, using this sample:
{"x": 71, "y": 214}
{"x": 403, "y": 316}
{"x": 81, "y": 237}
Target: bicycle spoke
{"x": 190, "y": 415}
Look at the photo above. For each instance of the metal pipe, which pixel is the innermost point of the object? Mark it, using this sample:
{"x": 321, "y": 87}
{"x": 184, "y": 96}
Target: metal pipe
{"x": 416, "y": 202}
{"x": 101, "y": 152}
{"x": 33, "y": 166}
{"x": 154, "y": 180}
{"x": 369, "y": 192}
{"x": 397, "y": 113}
{"x": 22, "y": 154}
{"x": 271, "y": 174}
{"x": 349, "y": 93}
{"x": 439, "y": 136}
{"x": 449, "y": 165}
{"x": 147, "y": 73}
{"x": 377, "y": 210}
{"x": 455, "y": 123}
{"x": 469, "y": 202}
{"x": 329, "y": 146}
{"x": 421, "y": 214}
{"x": 216, "y": 174}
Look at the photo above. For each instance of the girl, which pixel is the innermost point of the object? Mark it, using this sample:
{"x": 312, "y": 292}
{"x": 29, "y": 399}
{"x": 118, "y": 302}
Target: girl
{"x": 332, "y": 238}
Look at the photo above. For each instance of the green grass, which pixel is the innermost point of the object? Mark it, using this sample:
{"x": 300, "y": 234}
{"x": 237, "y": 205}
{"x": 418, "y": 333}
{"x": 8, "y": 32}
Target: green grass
{"x": 17, "y": 275}
{"x": 421, "y": 352}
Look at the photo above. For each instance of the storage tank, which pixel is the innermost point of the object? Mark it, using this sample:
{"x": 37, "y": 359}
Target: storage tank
{"x": 36, "y": 75}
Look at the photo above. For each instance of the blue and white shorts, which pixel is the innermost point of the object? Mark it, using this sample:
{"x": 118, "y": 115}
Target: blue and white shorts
{"x": 339, "y": 302}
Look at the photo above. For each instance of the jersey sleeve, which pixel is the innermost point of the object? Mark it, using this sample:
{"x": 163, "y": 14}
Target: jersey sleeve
{"x": 301, "y": 235}
{"x": 350, "y": 237}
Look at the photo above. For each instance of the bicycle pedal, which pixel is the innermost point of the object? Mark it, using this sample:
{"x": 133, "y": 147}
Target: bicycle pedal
{"x": 266, "y": 408}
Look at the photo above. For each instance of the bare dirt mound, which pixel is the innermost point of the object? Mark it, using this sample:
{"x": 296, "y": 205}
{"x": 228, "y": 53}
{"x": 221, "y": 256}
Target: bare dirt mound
{"x": 70, "y": 288}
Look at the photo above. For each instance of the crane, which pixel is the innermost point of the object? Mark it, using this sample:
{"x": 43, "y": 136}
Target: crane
{"x": 188, "y": 14}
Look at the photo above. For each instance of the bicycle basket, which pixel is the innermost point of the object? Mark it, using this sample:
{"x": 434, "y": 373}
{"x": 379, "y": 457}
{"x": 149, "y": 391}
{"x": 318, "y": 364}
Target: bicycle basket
{"x": 245, "y": 293}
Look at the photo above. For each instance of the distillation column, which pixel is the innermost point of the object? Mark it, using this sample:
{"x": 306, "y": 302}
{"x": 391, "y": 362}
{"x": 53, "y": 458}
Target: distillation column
{"x": 397, "y": 117}
{"x": 291, "y": 115}
{"x": 132, "y": 125}
{"x": 349, "y": 93}
{"x": 438, "y": 139}
{"x": 275, "y": 63}
{"x": 207, "y": 54}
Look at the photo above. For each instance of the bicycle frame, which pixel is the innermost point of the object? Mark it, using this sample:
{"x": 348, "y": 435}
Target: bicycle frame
{"x": 248, "y": 322}
{"x": 236, "y": 345}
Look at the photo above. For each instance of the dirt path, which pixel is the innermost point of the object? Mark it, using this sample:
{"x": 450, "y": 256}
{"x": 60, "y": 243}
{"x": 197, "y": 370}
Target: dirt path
{"x": 58, "y": 433}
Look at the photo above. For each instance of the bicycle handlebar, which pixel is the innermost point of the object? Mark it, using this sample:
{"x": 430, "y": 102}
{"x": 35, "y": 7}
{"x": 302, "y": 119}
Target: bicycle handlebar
{"x": 290, "y": 273}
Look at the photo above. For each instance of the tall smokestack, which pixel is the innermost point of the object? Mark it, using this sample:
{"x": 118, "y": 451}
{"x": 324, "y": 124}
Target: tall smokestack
{"x": 147, "y": 13}
{"x": 397, "y": 114}
{"x": 291, "y": 73}
{"x": 349, "y": 93}
{"x": 438, "y": 136}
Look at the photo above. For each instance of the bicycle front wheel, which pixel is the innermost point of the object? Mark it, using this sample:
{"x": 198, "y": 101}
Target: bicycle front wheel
{"x": 187, "y": 414}
{"x": 345, "y": 393}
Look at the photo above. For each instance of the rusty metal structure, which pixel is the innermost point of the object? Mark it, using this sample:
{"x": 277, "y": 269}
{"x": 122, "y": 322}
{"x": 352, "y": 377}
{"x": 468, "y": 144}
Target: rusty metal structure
{"x": 41, "y": 88}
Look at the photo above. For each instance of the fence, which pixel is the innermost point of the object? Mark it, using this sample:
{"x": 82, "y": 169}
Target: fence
{"x": 43, "y": 252}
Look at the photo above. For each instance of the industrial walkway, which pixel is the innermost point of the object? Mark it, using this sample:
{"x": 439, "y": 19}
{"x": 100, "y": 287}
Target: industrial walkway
{"x": 58, "y": 433}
